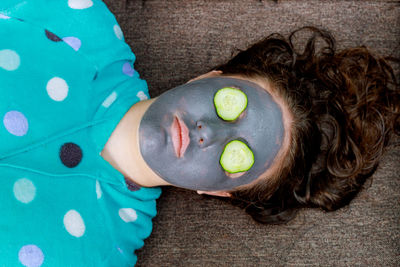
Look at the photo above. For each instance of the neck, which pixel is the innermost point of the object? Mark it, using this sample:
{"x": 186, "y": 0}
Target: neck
{"x": 122, "y": 149}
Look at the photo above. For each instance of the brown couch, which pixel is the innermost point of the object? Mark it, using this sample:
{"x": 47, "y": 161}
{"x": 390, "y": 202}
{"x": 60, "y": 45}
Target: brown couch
{"x": 177, "y": 40}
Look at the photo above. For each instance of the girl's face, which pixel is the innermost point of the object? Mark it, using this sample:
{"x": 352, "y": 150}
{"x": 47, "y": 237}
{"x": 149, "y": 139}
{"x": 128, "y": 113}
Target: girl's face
{"x": 181, "y": 136}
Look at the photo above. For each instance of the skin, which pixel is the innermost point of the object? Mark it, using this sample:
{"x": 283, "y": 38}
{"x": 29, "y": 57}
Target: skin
{"x": 187, "y": 153}
{"x": 123, "y": 146}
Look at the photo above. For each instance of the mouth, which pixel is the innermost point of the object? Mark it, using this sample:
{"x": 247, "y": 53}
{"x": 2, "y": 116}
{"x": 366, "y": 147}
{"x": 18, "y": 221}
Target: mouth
{"x": 180, "y": 136}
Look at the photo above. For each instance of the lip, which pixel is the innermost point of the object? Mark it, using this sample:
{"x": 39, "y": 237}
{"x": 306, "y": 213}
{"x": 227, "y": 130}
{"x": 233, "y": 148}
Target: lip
{"x": 180, "y": 136}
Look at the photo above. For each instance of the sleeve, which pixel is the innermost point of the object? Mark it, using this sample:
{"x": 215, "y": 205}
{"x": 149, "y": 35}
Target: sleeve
{"x": 75, "y": 51}
{"x": 86, "y": 25}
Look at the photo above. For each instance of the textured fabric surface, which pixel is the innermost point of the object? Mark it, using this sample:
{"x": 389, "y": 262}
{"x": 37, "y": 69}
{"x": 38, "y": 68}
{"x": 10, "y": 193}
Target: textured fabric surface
{"x": 178, "y": 40}
{"x": 64, "y": 87}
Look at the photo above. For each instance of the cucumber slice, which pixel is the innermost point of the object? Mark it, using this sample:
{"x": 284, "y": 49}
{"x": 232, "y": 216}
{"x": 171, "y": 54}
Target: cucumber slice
{"x": 230, "y": 103}
{"x": 236, "y": 157}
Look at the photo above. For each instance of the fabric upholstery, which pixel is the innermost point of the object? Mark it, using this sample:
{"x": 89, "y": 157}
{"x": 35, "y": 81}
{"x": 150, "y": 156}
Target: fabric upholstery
{"x": 175, "y": 41}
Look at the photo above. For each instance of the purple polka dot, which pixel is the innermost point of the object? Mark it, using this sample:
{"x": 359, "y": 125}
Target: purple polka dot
{"x": 131, "y": 185}
{"x": 51, "y": 36}
{"x": 31, "y": 256}
{"x": 127, "y": 69}
{"x": 16, "y": 123}
{"x": 73, "y": 42}
{"x": 70, "y": 155}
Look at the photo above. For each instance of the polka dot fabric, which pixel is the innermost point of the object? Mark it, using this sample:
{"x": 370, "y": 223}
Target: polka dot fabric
{"x": 66, "y": 80}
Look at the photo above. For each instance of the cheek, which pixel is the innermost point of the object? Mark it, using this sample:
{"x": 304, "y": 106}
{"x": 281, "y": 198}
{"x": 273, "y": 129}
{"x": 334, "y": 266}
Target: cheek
{"x": 200, "y": 161}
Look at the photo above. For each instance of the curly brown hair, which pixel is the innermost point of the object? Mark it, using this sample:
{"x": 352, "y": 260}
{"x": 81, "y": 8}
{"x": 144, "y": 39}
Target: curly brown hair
{"x": 345, "y": 106}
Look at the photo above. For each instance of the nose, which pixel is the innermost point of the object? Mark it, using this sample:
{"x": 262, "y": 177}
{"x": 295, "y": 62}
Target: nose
{"x": 209, "y": 132}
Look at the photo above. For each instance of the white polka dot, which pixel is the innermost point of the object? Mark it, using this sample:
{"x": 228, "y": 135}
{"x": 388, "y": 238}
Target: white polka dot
{"x": 99, "y": 193}
{"x": 142, "y": 95}
{"x": 9, "y": 59}
{"x": 24, "y": 190}
{"x": 57, "y": 89}
{"x": 127, "y": 214}
{"x": 2, "y": 16}
{"x": 80, "y": 4}
{"x": 74, "y": 224}
{"x": 109, "y": 100}
{"x": 118, "y": 32}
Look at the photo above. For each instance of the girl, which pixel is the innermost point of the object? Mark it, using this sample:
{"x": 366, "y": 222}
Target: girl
{"x": 81, "y": 158}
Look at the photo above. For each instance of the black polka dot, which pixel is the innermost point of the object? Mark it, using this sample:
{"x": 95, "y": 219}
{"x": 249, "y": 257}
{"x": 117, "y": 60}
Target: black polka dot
{"x": 52, "y": 36}
{"x": 131, "y": 185}
{"x": 70, "y": 154}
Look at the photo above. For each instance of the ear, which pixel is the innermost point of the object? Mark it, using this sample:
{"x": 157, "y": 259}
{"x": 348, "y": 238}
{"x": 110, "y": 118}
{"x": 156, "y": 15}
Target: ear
{"x": 212, "y": 73}
{"x": 215, "y": 193}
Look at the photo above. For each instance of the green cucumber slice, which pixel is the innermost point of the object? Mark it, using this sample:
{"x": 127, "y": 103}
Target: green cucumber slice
{"x": 230, "y": 103}
{"x": 236, "y": 157}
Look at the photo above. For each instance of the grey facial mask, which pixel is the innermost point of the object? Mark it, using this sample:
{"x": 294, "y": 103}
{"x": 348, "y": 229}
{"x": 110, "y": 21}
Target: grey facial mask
{"x": 188, "y": 110}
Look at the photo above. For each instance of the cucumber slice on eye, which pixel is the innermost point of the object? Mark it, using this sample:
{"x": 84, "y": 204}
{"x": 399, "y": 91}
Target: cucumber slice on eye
{"x": 236, "y": 157}
{"x": 230, "y": 103}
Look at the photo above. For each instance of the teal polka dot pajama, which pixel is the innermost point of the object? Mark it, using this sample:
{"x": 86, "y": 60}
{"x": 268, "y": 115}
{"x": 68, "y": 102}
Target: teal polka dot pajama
{"x": 66, "y": 80}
